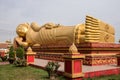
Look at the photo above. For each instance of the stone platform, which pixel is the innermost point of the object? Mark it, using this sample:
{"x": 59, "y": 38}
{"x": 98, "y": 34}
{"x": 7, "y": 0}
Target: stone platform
{"x": 89, "y": 71}
{"x": 95, "y": 53}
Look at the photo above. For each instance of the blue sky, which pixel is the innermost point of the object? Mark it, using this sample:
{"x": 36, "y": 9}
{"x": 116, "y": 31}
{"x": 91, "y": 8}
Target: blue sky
{"x": 65, "y": 12}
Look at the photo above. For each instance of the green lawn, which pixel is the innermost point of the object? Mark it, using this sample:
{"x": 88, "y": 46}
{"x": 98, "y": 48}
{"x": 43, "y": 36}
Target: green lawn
{"x": 10, "y": 72}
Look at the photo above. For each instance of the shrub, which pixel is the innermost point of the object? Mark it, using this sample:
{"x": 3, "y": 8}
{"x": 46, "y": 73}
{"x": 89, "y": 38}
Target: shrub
{"x": 52, "y": 68}
{"x": 11, "y": 55}
{"x": 11, "y": 52}
{"x": 20, "y": 62}
{"x": 20, "y": 53}
{"x": 4, "y": 58}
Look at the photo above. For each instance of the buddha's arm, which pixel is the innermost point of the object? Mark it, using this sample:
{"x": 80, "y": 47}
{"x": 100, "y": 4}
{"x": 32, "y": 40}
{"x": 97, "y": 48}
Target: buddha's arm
{"x": 20, "y": 42}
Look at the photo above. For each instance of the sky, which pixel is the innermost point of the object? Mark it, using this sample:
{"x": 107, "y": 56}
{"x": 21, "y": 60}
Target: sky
{"x": 65, "y": 12}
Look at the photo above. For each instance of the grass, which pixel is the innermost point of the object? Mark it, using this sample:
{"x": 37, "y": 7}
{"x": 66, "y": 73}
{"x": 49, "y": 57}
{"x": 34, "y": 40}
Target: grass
{"x": 10, "y": 72}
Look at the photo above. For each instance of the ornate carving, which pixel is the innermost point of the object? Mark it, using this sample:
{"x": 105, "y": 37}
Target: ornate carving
{"x": 100, "y": 60}
{"x": 73, "y": 49}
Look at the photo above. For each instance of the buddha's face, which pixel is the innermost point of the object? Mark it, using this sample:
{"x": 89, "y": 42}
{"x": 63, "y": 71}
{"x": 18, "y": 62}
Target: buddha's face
{"x": 22, "y": 29}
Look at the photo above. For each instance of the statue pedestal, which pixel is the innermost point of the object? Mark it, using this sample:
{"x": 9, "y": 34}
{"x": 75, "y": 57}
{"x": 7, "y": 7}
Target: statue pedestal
{"x": 73, "y": 66}
{"x": 30, "y": 56}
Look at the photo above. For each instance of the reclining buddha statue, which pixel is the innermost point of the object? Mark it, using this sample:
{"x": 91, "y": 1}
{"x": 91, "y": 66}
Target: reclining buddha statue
{"x": 93, "y": 30}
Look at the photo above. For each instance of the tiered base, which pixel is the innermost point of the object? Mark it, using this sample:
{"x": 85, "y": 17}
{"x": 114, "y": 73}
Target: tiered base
{"x": 95, "y": 53}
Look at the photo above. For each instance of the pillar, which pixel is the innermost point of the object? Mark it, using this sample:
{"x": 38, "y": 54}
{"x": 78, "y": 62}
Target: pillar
{"x": 118, "y": 59}
{"x": 30, "y": 56}
{"x": 73, "y": 64}
{"x": 73, "y": 67}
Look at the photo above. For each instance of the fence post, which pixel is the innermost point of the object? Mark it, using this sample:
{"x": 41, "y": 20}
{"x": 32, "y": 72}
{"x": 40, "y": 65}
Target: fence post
{"x": 73, "y": 64}
{"x": 30, "y": 56}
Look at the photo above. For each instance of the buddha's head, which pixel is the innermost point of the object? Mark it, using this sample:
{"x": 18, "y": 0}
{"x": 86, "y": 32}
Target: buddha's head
{"x": 22, "y": 29}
